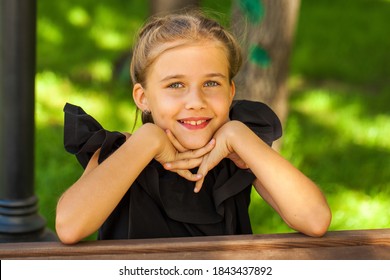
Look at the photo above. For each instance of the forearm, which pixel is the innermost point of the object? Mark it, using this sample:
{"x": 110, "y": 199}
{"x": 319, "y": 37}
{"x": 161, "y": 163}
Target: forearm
{"x": 86, "y": 205}
{"x": 297, "y": 199}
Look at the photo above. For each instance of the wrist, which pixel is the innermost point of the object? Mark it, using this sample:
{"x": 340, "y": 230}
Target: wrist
{"x": 233, "y": 131}
{"x": 243, "y": 141}
{"x": 152, "y": 138}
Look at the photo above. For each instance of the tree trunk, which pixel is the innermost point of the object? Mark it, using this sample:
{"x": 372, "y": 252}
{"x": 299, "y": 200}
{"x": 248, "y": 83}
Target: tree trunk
{"x": 270, "y": 26}
{"x": 161, "y": 6}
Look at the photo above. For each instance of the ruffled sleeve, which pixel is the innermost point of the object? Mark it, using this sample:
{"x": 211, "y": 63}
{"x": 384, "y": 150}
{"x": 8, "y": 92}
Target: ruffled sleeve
{"x": 259, "y": 118}
{"x": 83, "y": 136}
{"x": 161, "y": 203}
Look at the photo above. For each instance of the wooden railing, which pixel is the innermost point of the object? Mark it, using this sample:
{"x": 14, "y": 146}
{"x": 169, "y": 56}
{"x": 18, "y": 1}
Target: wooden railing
{"x": 355, "y": 244}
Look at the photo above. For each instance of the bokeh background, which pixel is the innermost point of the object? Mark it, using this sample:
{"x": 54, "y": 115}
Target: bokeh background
{"x": 338, "y": 125}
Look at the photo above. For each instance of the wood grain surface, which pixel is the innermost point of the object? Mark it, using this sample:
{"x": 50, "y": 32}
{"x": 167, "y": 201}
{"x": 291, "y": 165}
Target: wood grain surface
{"x": 352, "y": 245}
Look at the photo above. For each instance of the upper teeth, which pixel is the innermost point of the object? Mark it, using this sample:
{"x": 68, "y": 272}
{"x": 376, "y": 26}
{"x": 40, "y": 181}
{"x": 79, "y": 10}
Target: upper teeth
{"x": 194, "y": 122}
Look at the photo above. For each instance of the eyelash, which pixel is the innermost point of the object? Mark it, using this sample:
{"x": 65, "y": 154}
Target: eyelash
{"x": 212, "y": 82}
{"x": 177, "y": 85}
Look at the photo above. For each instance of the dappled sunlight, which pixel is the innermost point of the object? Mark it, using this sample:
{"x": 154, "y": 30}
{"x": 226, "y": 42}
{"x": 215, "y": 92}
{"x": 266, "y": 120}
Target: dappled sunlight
{"x": 101, "y": 70}
{"x": 56, "y": 169}
{"x": 78, "y": 16}
{"x": 48, "y": 32}
{"x": 82, "y": 40}
{"x": 53, "y": 91}
{"x": 355, "y": 210}
{"x": 109, "y": 39}
{"x": 339, "y": 120}
{"x": 339, "y": 138}
{"x": 344, "y": 113}
{"x": 50, "y": 95}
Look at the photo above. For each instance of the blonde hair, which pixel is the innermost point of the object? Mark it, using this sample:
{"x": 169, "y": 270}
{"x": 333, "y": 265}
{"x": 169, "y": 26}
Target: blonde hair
{"x": 160, "y": 32}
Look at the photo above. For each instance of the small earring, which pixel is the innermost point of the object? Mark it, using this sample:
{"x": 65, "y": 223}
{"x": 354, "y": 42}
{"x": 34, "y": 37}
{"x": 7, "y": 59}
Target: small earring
{"x": 146, "y": 112}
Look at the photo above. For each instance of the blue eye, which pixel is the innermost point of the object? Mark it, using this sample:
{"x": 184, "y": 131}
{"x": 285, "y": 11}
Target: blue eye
{"x": 176, "y": 85}
{"x": 211, "y": 84}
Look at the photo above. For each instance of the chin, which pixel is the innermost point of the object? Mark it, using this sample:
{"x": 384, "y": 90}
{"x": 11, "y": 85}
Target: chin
{"x": 194, "y": 145}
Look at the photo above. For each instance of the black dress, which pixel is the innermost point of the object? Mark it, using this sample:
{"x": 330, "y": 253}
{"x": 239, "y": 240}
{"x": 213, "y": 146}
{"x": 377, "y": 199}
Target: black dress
{"x": 161, "y": 203}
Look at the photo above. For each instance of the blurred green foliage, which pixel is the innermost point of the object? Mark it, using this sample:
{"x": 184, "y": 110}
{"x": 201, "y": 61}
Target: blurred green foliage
{"x": 339, "y": 120}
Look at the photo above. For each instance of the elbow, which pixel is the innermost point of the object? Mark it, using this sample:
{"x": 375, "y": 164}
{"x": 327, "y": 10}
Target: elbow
{"x": 317, "y": 231}
{"x": 66, "y": 236}
{"x": 315, "y": 224}
{"x": 67, "y": 240}
{"x": 66, "y": 233}
{"x": 319, "y": 224}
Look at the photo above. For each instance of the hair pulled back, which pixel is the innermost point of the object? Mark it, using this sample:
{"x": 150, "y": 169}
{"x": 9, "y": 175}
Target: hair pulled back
{"x": 161, "y": 32}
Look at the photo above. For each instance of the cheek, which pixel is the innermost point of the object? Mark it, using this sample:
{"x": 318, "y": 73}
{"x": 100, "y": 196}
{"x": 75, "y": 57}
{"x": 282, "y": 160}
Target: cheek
{"x": 162, "y": 118}
{"x": 166, "y": 109}
{"x": 222, "y": 107}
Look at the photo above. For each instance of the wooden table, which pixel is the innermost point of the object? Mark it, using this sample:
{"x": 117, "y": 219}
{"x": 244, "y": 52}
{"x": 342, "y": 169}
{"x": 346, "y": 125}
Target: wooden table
{"x": 350, "y": 245}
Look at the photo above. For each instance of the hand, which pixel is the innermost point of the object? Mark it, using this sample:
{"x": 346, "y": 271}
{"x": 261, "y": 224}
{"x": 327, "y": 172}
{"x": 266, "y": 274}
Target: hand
{"x": 210, "y": 159}
{"x": 223, "y": 149}
{"x": 196, "y": 162}
{"x": 214, "y": 157}
{"x": 173, "y": 151}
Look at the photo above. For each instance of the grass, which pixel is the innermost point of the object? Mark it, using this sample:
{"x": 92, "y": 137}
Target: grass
{"x": 338, "y": 125}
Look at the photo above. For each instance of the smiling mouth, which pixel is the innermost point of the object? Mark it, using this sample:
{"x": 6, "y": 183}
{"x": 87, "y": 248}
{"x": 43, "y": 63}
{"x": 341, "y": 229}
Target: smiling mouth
{"x": 195, "y": 124}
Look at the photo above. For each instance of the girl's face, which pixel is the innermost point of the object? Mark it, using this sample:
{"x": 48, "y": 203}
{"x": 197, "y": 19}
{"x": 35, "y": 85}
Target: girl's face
{"x": 188, "y": 92}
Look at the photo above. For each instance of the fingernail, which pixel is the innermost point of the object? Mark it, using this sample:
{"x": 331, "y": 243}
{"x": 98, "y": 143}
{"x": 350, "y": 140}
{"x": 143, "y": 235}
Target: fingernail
{"x": 196, "y": 190}
{"x": 167, "y": 165}
{"x": 212, "y": 141}
{"x": 199, "y": 176}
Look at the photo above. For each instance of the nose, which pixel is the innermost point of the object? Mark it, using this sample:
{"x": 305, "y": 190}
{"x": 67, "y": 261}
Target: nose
{"x": 195, "y": 99}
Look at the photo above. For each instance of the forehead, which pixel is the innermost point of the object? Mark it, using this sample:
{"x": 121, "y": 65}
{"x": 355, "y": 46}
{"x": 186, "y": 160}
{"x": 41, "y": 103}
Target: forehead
{"x": 185, "y": 56}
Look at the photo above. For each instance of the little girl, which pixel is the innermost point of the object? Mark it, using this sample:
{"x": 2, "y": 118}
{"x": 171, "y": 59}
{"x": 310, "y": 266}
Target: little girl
{"x": 189, "y": 169}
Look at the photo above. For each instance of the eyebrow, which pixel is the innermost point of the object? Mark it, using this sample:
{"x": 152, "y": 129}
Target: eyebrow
{"x": 170, "y": 77}
{"x": 218, "y": 75}
{"x": 179, "y": 76}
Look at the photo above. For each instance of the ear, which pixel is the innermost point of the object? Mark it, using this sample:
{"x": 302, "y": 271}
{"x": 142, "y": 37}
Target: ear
{"x": 139, "y": 97}
{"x": 232, "y": 90}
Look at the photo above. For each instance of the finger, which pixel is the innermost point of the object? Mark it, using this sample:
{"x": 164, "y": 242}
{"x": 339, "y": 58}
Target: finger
{"x": 209, "y": 162}
{"x": 198, "y": 185}
{"x": 186, "y": 174}
{"x": 198, "y": 153}
{"x": 175, "y": 142}
{"x": 182, "y": 164}
{"x": 203, "y": 170}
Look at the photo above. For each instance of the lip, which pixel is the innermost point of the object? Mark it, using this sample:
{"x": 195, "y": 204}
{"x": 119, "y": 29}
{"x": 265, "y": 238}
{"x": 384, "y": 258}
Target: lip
{"x": 194, "y": 123}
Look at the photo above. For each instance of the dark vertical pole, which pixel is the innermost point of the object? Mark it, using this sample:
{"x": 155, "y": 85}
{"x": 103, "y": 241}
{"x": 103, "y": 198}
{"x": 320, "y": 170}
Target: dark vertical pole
{"x": 19, "y": 218}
